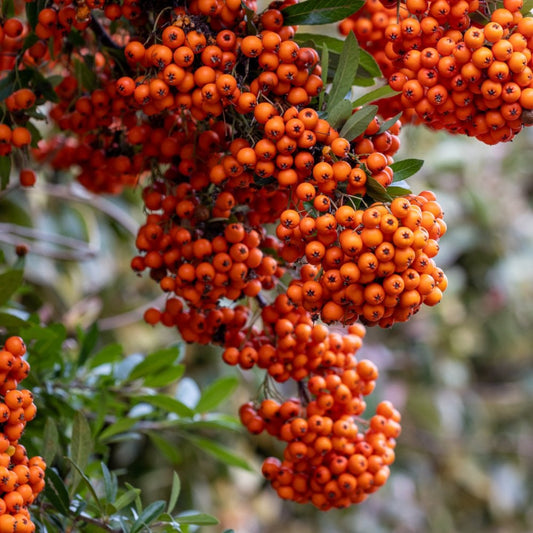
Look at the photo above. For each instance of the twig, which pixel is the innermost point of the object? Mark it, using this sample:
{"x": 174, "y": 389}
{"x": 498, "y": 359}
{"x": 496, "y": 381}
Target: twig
{"x": 102, "y": 35}
{"x": 130, "y": 317}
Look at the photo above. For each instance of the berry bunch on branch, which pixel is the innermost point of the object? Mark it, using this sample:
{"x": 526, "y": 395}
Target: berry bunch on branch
{"x": 460, "y": 66}
{"x": 277, "y": 222}
{"x": 21, "y": 478}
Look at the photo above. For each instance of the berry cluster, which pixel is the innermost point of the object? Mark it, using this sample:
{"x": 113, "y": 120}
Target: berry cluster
{"x": 21, "y": 478}
{"x": 329, "y": 460}
{"x": 454, "y": 72}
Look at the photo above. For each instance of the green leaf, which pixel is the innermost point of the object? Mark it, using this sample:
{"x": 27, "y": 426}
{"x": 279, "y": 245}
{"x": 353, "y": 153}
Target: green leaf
{"x": 375, "y": 190}
{"x": 168, "y": 448}
{"x": 50, "y": 440}
{"x": 320, "y": 41}
{"x": 56, "y": 492}
{"x": 148, "y": 516}
{"x": 219, "y": 452}
{"x": 8, "y": 9}
{"x": 346, "y": 71}
{"x": 10, "y": 281}
{"x": 154, "y": 363}
{"x": 32, "y": 14}
{"x": 35, "y": 134}
{"x": 174, "y": 493}
{"x": 109, "y": 354}
{"x": 122, "y": 425}
{"x": 170, "y": 375}
{"x": 81, "y": 443}
{"x": 394, "y": 192}
{"x": 212, "y": 421}
{"x": 314, "y": 12}
{"x": 358, "y": 122}
{"x": 216, "y": 393}
{"x": 368, "y": 63}
{"x": 200, "y": 519}
{"x": 406, "y": 168}
{"x": 5, "y": 170}
{"x": 325, "y": 64}
{"x": 167, "y": 403}
{"x": 526, "y": 8}
{"x": 389, "y": 123}
{"x": 12, "y": 323}
{"x": 110, "y": 483}
{"x": 89, "y": 342}
{"x": 84, "y": 75}
{"x": 126, "y": 498}
{"x": 86, "y": 481}
{"x": 339, "y": 114}
{"x": 376, "y": 94}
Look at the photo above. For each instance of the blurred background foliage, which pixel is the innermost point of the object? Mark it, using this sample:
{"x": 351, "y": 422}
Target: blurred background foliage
{"x": 461, "y": 373}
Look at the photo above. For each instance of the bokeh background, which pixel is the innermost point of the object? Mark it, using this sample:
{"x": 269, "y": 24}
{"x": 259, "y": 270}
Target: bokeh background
{"x": 461, "y": 373}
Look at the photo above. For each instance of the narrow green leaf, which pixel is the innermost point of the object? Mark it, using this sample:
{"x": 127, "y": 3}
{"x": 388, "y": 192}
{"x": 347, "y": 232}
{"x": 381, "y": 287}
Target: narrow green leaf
{"x": 325, "y": 65}
{"x": 394, "y": 192}
{"x": 89, "y": 342}
{"x": 167, "y": 403}
{"x": 346, "y": 71}
{"x": 12, "y": 323}
{"x": 216, "y": 393}
{"x": 148, "y": 516}
{"x": 358, "y": 122}
{"x": 87, "y": 482}
{"x": 406, "y": 168}
{"x": 368, "y": 63}
{"x": 389, "y": 123}
{"x": 174, "y": 493}
{"x": 199, "y": 519}
{"x": 110, "y": 354}
{"x": 8, "y": 9}
{"x": 122, "y": 425}
{"x": 10, "y": 281}
{"x": 35, "y": 134}
{"x": 154, "y": 363}
{"x": 32, "y": 14}
{"x": 339, "y": 114}
{"x": 170, "y": 375}
{"x": 81, "y": 444}
{"x": 219, "y": 452}
{"x": 376, "y": 94}
{"x": 169, "y": 449}
{"x": 212, "y": 421}
{"x": 5, "y": 170}
{"x": 376, "y": 191}
{"x": 125, "y": 499}
{"x": 526, "y": 8}
{"x": 56, "y": 492}
{"x": 110, "y": 483}
{"x": 332, "y": 43}
{"x": 314, "y": 12}
{"x": 50, "y": 440}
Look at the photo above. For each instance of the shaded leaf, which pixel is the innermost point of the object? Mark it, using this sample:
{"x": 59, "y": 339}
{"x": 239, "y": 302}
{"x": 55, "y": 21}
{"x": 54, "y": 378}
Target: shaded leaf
{"x": 200, "y": 519}
{"x": 358, "y": 122}
{"x": 10, "y": 281}
{"x": 219, "y": 452}
{"x": 216, "y": 393}
{"x": 12, "y": 323}
{"x": 154, "y": 363}
{"x": 389, "y": 123}
{"x": 376, "y": 94}
{"x": 167, "y": 403}
{"x": 376, "y": 190}
{"x": 88, "y": 344}
{"x": 5, "y": 170}
{"x": 110, "y": 483}
{"x": 148, "y": 515}
{"x": 368, "y": 63}
{"x": 314, "y": 12}
{"x": 332, "y": 43}
{"x": 81, "y": 444}
{"x": 394, "y": 192}
{"x": 122, "y": 425}
{"x": 86, "y": 481}
{"x": 110, "y": 354}
{"x": 125, "y": 499}
{"x": 50, "y": 440}
{"x": 168, "y": 448}
{"x": 165, "y": 378}
{"x": 346, "y": 71}
{"x": 56, "y": 492}
{"x": 174, "y": 492}
{"x": 339, "y": 114}
{"x": 406, "y": 168}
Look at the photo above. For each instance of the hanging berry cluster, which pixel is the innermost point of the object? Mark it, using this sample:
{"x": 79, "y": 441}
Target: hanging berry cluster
{"x": 273, "y": 235}
{"x": 21, "y": 478}
{"x": 460, "y": 66}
